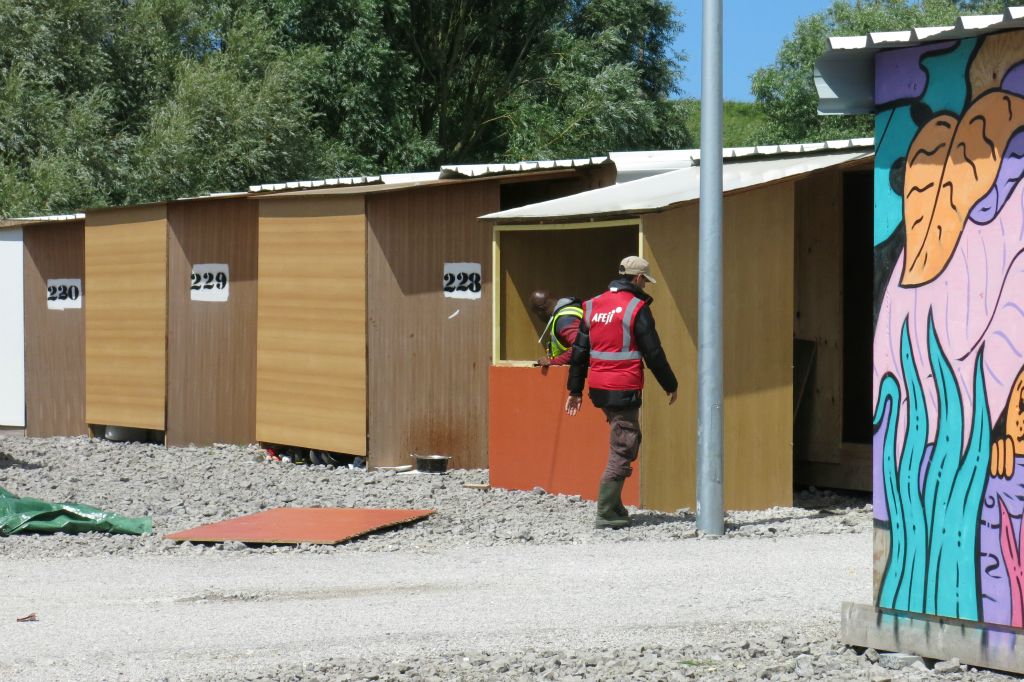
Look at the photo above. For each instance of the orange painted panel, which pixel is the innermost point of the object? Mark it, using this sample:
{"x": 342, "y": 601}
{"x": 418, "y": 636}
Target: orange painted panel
{"x": 532, "y": 442}
{"x": 291, "y": 525}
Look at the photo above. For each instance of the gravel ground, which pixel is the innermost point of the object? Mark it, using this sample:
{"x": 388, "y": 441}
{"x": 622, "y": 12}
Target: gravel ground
{"x": 184, "y": 487}
{"x": 181, "y": 487}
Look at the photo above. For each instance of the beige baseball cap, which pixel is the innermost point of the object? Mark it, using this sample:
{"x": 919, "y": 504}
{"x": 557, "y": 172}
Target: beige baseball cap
{"x": 635, "y": 265}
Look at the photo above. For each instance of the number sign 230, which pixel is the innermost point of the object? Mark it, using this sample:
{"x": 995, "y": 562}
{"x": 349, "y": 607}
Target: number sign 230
{"x": 209, "y": 282}
{"x": 62, "y": 294}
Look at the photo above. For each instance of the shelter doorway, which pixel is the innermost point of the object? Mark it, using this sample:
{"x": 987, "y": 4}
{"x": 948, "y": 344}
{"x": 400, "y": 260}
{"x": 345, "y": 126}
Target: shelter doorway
{"x": 834, "y": 284}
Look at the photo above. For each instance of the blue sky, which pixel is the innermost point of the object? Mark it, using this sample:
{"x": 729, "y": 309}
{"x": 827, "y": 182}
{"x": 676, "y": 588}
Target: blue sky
{"x": 752, "y": 33}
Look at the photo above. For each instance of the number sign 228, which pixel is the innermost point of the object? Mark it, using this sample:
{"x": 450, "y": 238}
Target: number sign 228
{"x": 209, "y": 282}
{"x": 62, "y": 294}
{"x": 462, "y": 280}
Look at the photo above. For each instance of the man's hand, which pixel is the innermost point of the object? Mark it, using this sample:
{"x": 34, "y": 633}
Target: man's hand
{"x": 672, "y": 397}
{"x": 543, "y": 362}
{"x": 572, "y": 405}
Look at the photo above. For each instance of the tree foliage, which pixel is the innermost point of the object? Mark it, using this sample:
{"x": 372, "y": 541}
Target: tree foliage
{"x": 785, "y": 90}
{"x": 112, "y": 101}
{"x": 741, "y": 121}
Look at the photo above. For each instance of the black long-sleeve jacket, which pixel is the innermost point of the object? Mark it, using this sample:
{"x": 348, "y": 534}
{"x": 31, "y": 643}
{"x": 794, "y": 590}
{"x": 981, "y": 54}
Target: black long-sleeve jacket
{"x": 647, "y": 342}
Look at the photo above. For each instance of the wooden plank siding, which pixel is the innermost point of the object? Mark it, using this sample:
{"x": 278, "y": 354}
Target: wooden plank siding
{"x": 758, "y": 353}
{"x": 126, "y": 316}
{"x": 54, "y": 339}
{"x": 428, "y": 355}
{"x": 311, "y": 339}
{"x": 211, "y": 357}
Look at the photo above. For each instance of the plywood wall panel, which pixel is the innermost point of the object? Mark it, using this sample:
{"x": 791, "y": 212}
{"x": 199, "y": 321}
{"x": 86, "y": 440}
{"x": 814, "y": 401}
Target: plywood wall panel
{"x": 552, "y": 260}
{"x": 758, "y": 353}
{"x": 126, "y": 317}
{"x": 311, "y": 342}
{"x": 563, "y": 455}
{"x": 428, "y": 354}
{"x": 12, "y": 322}
{"x": 211, "y": 361}
{"x": 54, "y": 339}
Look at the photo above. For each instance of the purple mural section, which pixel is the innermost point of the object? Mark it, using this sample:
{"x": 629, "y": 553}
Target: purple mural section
{"x": 1013, "y": 81}
{"x": 1010, "y": 173}
{"x": 901, "y": 76}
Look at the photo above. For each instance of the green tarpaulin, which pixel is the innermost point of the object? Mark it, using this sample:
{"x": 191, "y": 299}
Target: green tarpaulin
{"x": 29, "y": 515}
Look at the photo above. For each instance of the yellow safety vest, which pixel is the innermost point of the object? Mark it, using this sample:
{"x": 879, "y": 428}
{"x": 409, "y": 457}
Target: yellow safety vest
{"x": 555, "y": 347}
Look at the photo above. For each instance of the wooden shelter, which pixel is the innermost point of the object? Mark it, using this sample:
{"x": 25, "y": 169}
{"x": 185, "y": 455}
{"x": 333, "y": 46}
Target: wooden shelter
{"x": 171, "y": 320}
{"x": 783, "y": 219}
{"x": 375, "y": 310}
{"x": 55, "y": 326}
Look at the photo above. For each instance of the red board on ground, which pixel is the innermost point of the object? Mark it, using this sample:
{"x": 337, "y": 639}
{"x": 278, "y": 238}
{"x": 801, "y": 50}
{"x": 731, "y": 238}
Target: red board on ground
{"x": 290, "y": 525}
{"x": 533, "y": 443}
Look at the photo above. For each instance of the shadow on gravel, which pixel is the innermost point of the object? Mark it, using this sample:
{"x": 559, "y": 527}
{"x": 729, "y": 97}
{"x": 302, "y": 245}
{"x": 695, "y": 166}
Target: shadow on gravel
{"x": 654, "y": 518}
{"x": 11, "y": 463}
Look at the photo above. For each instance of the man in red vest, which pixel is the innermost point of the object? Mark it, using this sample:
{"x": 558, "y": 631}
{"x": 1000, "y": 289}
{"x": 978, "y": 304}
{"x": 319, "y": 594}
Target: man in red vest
{"x": 615, "y": 340}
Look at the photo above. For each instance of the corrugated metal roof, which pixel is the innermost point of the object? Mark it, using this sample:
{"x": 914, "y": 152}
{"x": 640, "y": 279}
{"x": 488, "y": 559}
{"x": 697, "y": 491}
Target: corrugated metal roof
{"x": 480, "y": 170}
{"x": 636, "y": 165}
{"x": 214, "y": 195}
{"x": 668, "y": 189}
{"x": 449, "y": 172}
{"x": 844, "y": 75}
{"x": 384, "y": 179}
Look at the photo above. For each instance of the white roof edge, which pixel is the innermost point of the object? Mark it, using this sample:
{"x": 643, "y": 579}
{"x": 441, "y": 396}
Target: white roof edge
{"x": 479, "y": 170}
{"x": 673, "y": 159}
{"x": 64, "y": 217}
{"x": 844, "y": 73}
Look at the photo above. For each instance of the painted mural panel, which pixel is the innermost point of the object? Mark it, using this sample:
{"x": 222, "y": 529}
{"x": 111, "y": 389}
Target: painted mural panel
{"x": 949, "y": 328}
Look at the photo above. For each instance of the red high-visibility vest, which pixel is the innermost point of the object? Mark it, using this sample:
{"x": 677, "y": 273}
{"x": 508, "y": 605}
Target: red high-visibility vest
{"x": 615, "y": 360}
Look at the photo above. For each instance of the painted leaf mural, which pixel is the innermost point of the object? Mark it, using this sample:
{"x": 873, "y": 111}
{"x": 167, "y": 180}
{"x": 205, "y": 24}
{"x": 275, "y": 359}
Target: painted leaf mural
{"x": 948, "y": 377}
{"x": 951, "y": 166}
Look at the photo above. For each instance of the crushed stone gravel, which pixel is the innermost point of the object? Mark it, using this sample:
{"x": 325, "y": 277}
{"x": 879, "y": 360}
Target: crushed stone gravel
{"x": 180, "y": 488}
{"x": 183, "y": 487}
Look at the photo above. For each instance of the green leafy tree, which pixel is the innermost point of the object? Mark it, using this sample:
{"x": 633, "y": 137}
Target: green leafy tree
{"x": 785, "y": 90}
{"x": 55, "y": 103}
{"x": 114, "y": 101}
{"x": 741, "y": 121}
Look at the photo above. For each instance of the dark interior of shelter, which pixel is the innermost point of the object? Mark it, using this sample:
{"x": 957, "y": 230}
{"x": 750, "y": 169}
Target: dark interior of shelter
{"x": 833, "y": 329}
{"x": 532, "y": 260}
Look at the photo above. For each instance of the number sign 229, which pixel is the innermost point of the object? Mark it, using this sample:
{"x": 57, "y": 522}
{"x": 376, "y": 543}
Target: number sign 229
{"x": 63, "y": 294}
{"x": 210, "y": 282}
{"x": 462, "y": 280}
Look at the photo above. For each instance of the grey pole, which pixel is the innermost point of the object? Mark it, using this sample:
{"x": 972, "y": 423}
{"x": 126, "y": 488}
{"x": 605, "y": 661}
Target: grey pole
{"x": 710, "y": 508}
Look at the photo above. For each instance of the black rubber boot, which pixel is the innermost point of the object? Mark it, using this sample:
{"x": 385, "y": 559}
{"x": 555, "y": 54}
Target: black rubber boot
{"x": 609, "y": 499}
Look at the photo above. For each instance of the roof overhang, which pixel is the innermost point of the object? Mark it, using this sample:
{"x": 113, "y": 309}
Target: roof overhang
{"x": 668, "y": 190}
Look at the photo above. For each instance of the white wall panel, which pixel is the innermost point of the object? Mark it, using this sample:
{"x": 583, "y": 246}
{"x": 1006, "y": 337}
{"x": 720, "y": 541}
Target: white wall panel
{"x": 12, "y": 329}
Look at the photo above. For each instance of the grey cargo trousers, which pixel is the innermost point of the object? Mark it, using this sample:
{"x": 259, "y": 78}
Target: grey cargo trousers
{"x": 623, "y": 442}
